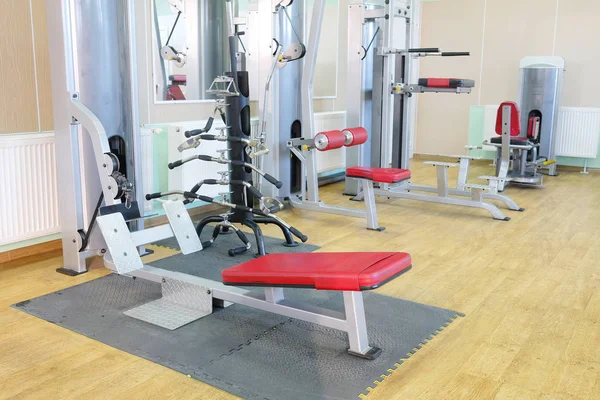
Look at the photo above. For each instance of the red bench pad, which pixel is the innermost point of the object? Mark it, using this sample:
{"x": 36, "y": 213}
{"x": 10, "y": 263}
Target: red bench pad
{"x": 322, "y": 271}
{"x": 384, "y": 175}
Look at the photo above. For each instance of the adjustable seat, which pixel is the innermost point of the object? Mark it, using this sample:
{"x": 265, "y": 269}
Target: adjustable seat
{"x": 321, "y": 271}
{"x": 382, "y": 175}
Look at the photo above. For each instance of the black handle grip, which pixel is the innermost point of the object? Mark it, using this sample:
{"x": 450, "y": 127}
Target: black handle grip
{"x": 298, "y": 234}
{"x": 206, "y": 244}
{"x": 255, "y": 192}
{"x": 456, "y": 53}
{"x": 175, "y": 164}
{"x": 210, "y": 182}
{"x": 424, "y": 50}
{"x": 190, "y": 195}
{"x": 204, "y": 157}
{"x": 274, "y": 209}
{"x": 237, "y": 251}
{"x": 195, "y": 188}
{"x": 203, "y": 198}
{"x": 274, "y": 181}
{"x": 242, "y": 236}
{"x": 238, "y": 163}
{"x": 209, "y": 136}
{"x": 152, "y": 196}
{"x": 193, "y": 132}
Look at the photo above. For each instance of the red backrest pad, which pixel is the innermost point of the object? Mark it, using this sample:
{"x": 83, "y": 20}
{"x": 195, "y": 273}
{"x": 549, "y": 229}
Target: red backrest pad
{"x": 515, "y": 124}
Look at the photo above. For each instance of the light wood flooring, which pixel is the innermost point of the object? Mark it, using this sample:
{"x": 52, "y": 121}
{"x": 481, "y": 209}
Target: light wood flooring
{"x": 529, "y": 288}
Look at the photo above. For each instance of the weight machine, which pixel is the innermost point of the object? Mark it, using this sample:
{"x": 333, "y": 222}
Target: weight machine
{"x": 93, "y": 171}
{"x": 384, "y": 71}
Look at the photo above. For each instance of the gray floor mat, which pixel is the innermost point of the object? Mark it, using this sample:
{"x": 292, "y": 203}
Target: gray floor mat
{"x": 247, "y": 352}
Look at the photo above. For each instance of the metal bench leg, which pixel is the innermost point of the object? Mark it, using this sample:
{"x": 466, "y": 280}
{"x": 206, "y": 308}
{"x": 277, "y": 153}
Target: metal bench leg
{"x": 370, "y": 205}
{"x": 357, "y": 327}
{"x": 463, "y": 173}
{"x": 442, "y": 180}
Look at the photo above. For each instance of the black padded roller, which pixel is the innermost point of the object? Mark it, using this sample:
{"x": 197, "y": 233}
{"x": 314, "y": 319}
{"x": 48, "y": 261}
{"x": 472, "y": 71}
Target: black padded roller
{"x": 278, "y": 184}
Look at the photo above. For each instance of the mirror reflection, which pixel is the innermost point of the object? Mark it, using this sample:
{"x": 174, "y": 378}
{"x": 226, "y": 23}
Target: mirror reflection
{"x": 190, "y": 47}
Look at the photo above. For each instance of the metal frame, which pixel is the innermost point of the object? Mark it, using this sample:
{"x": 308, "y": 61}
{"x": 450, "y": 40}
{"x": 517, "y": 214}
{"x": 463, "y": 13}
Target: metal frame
{"x": 352, "y": 321}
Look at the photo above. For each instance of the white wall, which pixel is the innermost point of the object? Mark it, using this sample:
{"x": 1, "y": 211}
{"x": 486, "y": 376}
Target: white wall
{"x": 498, "y": 33}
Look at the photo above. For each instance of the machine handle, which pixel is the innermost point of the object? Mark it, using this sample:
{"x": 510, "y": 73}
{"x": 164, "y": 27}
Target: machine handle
{"x": 456, "y": 53}
{"x": 175, "y": 164}
{"x": 208, "y": 137}
{"x": 201, "y": 197}
{"x": 242, "y": 236}
{"x": 205, "y": 157}
{"x": 274, "y": 181}
{"x": 255, "y": 192}
{"x": 194, "y": 132}
{"x": 298, "y": 234}
{"x": 425, "y": 50}
{"x": 209, "y": 182}
{"x": 274, "y": 209}
{"x": 237, "y": 251}
{"x": 152, "y": 196}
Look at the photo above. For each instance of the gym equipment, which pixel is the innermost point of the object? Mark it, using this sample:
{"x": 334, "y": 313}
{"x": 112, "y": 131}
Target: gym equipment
{"x": 350, "y": 273}
{"x": 517, "y": 156}
{"x": 234, "y": 108}
{"x": 304, "y": 150}
{"x": 185, "y": 298}
{"x": 541, "y": 82}
{"x": 390, "y": 108}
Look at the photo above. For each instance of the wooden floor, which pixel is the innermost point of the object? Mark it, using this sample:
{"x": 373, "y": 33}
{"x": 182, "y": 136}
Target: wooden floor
{"x": 530, "y": 289}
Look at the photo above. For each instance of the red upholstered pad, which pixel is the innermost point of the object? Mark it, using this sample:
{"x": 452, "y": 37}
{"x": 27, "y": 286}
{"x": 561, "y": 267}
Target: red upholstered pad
{"x": 448, "y": 83}
{"x": 322, "y": 271}
{"x": 384, "y": 175}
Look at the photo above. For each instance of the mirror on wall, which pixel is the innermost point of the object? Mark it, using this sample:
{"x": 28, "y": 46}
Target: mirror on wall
{"x": 326, "y": 71}
{"x": 190, "y": 47}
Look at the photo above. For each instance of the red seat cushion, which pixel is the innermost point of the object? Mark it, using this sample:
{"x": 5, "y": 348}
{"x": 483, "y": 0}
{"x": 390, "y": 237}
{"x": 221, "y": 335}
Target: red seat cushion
{"x": 322, "y": 271}
{"x": 384, "y": 175}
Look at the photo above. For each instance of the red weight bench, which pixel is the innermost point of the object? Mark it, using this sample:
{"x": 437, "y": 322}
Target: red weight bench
{"x": 370, "y": 175}
{"x": 350, "y": 273}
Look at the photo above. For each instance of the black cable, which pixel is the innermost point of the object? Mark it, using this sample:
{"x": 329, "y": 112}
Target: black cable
{"x": 371, "y": 42}
{"x": 173, "y": 28}
{"x": 86, "y": 234}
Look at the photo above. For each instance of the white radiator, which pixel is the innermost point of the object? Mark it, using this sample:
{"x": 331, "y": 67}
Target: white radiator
{"x": 578, "y": 131}
{"x": 28, "y": 184}
{"x": 333, "y": 159}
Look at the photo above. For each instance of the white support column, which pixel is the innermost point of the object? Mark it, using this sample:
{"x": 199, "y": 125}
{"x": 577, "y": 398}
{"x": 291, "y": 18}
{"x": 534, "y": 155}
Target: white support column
{"x": 274, "y": 294}
{"x": 357, "y": 323}
{"x": 442, "y": 180}
{"x": 308, "y": 118}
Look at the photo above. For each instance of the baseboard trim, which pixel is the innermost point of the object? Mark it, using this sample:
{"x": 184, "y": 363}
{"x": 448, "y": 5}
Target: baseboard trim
{"x": 36, "y": 249}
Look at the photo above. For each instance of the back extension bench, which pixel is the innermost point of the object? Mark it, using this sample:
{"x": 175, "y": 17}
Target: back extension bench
{"x": 186, "y": 298}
